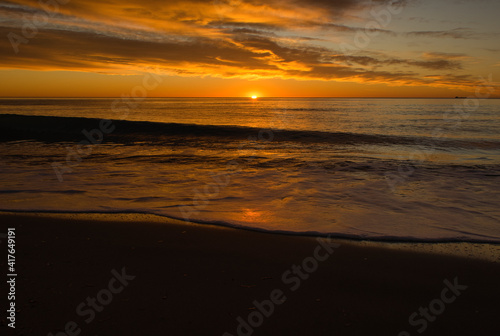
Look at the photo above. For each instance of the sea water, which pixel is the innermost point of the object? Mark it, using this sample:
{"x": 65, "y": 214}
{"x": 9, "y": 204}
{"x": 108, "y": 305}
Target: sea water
{"x": 391, "y": 169}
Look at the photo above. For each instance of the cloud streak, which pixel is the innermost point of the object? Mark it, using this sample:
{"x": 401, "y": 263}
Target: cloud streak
{"x": 244, "y": 39}
{"x": 457, "y": 33}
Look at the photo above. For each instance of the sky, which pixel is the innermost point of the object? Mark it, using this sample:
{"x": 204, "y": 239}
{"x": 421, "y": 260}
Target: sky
{"x": 233, "y": 48}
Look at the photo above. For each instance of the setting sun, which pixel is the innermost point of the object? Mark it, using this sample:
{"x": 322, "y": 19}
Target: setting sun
{"x": 254, "y": 97}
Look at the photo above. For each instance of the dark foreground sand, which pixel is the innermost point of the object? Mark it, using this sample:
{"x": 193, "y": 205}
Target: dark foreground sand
{"x": 197, "y": 280}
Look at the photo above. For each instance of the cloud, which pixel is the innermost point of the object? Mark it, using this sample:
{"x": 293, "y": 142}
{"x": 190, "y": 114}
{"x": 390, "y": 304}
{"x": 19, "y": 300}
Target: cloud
{"x": 444, "y": 55}
{"x": 434, "y": 64}
{"x": 232, "y": 38}
{"x": 457, "y": 33}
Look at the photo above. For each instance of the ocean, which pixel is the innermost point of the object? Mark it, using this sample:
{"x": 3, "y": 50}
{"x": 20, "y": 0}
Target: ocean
{"x": 379, "y": 169}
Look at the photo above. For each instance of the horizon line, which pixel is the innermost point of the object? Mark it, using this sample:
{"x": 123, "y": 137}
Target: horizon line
{"x": 242, "y": 97}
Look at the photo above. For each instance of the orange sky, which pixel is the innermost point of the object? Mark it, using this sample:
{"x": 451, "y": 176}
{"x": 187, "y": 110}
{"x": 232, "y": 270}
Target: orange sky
{"x": 294, "y": 48}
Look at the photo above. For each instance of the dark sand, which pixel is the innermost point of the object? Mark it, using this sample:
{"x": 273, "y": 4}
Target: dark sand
{"x": 196, "y": 280}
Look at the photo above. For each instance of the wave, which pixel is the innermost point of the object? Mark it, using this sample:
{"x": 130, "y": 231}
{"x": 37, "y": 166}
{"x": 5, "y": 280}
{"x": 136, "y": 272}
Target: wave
{"x": 15, "y": 127}
{"x": 337, "y": 235}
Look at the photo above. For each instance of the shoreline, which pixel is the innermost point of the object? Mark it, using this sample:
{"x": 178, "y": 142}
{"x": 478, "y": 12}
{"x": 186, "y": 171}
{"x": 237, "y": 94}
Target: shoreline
{"x": 487, "y": 251}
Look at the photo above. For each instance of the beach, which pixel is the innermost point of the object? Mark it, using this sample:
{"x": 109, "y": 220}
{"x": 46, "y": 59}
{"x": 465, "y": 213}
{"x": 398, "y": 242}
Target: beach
{"x": 175, "y": 278}
{"x": 246, "y": 168}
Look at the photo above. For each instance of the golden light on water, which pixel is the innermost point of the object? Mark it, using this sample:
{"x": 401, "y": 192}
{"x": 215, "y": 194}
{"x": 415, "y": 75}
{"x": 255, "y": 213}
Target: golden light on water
{"x": 252, "y": 216}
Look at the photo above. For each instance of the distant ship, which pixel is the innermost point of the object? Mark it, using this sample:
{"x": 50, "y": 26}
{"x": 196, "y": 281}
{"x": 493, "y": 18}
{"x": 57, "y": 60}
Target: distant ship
{"x": 457, "y": 97}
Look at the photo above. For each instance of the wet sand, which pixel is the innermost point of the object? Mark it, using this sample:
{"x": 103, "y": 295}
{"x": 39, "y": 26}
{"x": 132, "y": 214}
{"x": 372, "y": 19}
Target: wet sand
{"x": 144, "y": 275}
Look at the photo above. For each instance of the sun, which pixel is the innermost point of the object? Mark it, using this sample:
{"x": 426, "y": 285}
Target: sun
{"x": 254, "y": 97}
